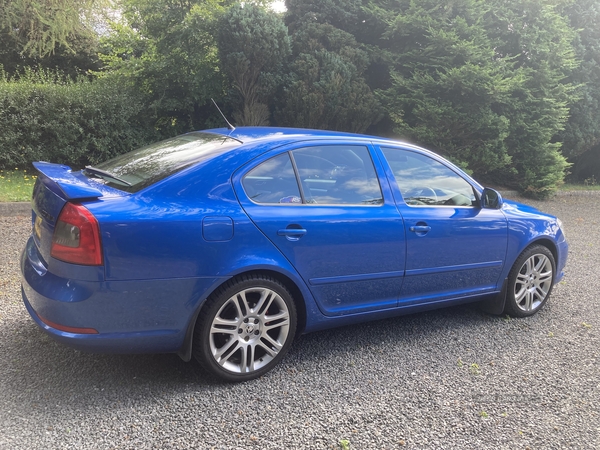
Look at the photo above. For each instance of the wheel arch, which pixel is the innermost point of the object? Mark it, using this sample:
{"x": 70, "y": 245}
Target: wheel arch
{"x": 530, "y": 290}
{"x": 297, "y": 295}
{"x": 495, "y": 304}
{"x": 545, "y": 242}
{"x": 185, "y": 352}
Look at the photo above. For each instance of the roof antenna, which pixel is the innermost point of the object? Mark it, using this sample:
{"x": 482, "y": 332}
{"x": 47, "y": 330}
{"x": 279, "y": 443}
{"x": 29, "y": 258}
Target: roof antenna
{"x": 231, "y": 127}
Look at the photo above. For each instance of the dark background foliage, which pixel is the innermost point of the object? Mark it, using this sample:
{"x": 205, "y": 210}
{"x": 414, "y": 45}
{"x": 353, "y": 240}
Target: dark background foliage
{"x": 509, "y": 90}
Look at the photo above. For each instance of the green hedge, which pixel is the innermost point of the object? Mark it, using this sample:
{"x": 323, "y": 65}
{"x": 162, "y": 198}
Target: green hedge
{"x": 44, "y": 118}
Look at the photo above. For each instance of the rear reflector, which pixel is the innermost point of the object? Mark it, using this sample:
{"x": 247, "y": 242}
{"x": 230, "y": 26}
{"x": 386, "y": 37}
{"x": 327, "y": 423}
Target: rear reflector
{"x": 77, "y": 236}
{"x": 68, "y": 329}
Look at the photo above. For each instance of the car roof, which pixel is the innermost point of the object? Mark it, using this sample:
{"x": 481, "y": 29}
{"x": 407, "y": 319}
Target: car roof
{"x": 256, "y": 141}
{"x": 281, "y": 135}
{"x": 251, "y": 134}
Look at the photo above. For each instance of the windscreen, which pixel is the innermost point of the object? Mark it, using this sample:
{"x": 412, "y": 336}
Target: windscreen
{"x": 147, "y": 165}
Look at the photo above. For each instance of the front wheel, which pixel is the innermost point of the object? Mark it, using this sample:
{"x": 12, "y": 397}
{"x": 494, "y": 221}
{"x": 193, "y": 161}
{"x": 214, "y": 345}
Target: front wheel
{"x": 530, "y": 281}
{"x": 245, "y": 328}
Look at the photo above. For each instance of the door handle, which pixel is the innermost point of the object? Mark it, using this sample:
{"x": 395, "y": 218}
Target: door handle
{"x": 292, "y": 234}
{"x": 420, "y": 228}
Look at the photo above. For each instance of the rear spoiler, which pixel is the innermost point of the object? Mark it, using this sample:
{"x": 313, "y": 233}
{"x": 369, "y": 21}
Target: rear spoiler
{"x": 73, "y": 187}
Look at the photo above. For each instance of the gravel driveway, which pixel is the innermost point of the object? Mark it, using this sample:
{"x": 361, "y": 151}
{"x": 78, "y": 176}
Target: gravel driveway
{"x": 453, "y": 378}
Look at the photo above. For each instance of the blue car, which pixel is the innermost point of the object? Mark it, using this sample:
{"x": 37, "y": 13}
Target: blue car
{"x": 223, "y": 245}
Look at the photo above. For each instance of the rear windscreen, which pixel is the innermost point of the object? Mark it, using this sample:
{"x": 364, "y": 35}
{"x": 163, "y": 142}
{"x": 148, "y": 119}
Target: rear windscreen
{"x": 147, "y": 165}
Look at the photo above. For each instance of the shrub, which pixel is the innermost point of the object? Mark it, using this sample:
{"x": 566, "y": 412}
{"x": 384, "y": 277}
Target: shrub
{"x": 44, "y": 117}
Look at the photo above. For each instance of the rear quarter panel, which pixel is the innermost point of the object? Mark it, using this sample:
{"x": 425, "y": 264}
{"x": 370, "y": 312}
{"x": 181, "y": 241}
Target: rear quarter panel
{"x": 179, "y": 230}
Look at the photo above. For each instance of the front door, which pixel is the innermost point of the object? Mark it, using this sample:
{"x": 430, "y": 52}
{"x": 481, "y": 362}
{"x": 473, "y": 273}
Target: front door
{"x": 454, "y": 248}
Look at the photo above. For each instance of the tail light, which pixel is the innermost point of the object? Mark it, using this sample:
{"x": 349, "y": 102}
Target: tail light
{"x": 77, "y": 236}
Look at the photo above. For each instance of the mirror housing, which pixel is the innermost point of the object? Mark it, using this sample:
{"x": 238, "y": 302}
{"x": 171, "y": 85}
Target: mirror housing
{"x": 491, "y": 199}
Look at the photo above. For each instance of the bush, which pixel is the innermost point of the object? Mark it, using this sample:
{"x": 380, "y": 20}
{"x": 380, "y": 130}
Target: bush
{"x": 44, "y": 117}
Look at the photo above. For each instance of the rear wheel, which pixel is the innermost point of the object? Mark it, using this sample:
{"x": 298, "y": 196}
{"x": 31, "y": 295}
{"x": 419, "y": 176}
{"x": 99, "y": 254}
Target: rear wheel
{"x": 530, "y": 281}
{"x": 246, "y": 327}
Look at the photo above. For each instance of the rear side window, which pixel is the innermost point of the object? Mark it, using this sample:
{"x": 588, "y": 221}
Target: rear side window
{"x": 338, "y": 175}
{"x": 147, "y": 165}
{"x": 273, "y": 181}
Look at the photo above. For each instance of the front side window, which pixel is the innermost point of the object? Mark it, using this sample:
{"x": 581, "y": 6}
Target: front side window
{"x": 424, "y": 181}
{"x": 324, "y": 175}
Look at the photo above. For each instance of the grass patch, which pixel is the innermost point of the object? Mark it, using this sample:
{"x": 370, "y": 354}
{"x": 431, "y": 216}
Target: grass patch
{"x": 579, "y": 187}
{"x": 16, "y": 185}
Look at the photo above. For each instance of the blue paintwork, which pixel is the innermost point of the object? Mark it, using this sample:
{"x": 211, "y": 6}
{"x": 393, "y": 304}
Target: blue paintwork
{"x": 167, "y": 247}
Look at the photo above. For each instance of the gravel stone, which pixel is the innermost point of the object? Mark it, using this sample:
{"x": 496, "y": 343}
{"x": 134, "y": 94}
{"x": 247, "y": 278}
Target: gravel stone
{"x": 448, "y": 379}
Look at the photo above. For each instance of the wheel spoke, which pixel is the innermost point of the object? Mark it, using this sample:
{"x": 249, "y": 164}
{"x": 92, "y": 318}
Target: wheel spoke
{"x": 273, "y": 342}
{"x": 520, "y": 295}
{"x": 226, "y": 326}
{"x": 268, "y": 350}
{"x": 264, "y": 302}
{"x": 247, "y": 358}
{"x": 280, "y": 318}
{"x": 528, "y": 300}
{"x": 522, "y": 277}
{"x": 215, "y": 330}
{"x": 219, "y": 353}
{"x": 541, "y": 292}
{"x": 241, "y": 303}
{"x": 545, "y": 277}
{"x": 540, "y": 264}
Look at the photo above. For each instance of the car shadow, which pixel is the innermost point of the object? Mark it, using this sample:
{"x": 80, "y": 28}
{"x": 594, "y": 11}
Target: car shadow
{"x": 390, "y": 332}
{"x": 40, "y": 371}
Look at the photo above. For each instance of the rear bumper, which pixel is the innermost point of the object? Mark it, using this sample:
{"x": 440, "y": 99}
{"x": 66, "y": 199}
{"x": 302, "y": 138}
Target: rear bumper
{"x": 136, "y": 316}
{"x": 160, "y": 341}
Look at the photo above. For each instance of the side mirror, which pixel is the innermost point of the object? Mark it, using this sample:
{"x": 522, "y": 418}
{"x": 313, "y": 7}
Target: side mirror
{"x": 491, "y": 199}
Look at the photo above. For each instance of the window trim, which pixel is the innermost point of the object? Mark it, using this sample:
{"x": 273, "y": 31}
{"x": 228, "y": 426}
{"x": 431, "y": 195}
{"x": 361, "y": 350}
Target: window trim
{"x": 447, "y": 164}
{"x": 240, "y": 175}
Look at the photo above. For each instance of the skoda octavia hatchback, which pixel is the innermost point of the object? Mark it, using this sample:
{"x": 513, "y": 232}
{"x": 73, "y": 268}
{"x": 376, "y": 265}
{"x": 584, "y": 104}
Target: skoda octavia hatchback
{"x": 223, "y": 245}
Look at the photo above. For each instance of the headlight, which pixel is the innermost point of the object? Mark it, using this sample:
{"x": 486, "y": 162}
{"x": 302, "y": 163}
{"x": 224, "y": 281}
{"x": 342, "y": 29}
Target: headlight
{"x": 562, "y": 228}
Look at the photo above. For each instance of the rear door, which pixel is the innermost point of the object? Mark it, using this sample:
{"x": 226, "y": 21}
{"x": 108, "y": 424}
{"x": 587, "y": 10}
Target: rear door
{"x": 339, "y": 226}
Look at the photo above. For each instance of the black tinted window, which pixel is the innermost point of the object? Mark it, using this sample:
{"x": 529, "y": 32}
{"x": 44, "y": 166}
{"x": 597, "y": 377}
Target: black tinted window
{"x": 147, "y": 165}
{"x": 273, "y": 181}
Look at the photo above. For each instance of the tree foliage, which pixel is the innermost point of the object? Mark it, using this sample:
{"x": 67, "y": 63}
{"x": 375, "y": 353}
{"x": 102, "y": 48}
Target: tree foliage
{"x": 483, "y": 82}
{"x": 253, "y": 47}
{"x": 536, "y": 37}
{"x": 38, "y": 26}
{"x": 167, "y": 49}
{"x": 45, "y": 117}
{"x": 446, "y": 84}
{"x": 51, "y": 34}
{"x": 326, "y": 87}
{"x": 505, "y": 88}
{"x": 582, "y": 131}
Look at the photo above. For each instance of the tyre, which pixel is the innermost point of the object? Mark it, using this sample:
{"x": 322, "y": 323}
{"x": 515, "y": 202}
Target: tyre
{"x": 530, "y": 281}
{"x": 245, "y": 328}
